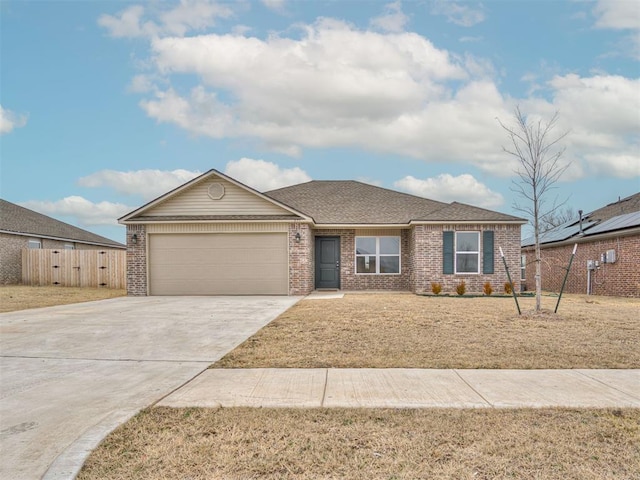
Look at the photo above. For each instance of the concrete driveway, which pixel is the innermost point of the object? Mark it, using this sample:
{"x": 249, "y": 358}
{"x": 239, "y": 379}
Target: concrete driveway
{"x": 71, "y": 374}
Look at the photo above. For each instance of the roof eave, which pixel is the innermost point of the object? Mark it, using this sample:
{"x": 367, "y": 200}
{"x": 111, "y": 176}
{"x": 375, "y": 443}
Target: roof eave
{"x": 468, "y": 222}
{"x": 360, "y": 225}
{"x": 222, "y": 220}
{"x": 65, "y": 239}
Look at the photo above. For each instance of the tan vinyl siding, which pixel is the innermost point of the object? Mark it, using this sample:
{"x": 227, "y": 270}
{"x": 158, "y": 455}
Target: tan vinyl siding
{"x": 218, "y": 264}
{"x": 196, "y": 201}
{"x": 217, "y": 227}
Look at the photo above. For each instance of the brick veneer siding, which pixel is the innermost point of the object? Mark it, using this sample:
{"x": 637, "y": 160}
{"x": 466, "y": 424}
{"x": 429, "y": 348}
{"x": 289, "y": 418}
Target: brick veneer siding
{"x": 621, "y": 278}
{"x": 11, "y": 253}
{"x": 426, "y": 243}
{"x": 136, "y": 261}
{"x": 349, "y": 280}
{"x": 11, "y": 258}
{"x": 301, "y": 267}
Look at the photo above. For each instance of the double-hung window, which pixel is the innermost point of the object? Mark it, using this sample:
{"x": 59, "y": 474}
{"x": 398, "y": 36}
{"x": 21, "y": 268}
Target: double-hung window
{"x": 378, "y": 255}
{"x": 467, "y": 252}
{"x": 32, "y": 243}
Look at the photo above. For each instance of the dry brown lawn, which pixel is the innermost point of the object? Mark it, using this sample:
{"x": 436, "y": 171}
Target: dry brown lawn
{"x": 387, "y": 330}
{"x": 409, "y": 331}
{"x": 20, "y": 297}
{"x": 163, "y": 443}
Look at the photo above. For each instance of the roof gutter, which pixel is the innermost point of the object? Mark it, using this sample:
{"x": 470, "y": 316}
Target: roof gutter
{"x": 164, "y": 222}
{"x": 468, "y": 222}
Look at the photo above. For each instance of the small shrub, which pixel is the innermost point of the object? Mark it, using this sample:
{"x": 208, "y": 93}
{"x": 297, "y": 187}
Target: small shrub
{"x": 507, "y": 288}
{"x": 461, "y": 288}
{"x": 487, "y": 288}
{"x": 436, "y": 288}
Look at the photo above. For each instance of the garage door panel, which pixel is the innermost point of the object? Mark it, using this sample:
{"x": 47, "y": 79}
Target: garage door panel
{"x": 218, "y": 264}
{"x": 220, "y": 258}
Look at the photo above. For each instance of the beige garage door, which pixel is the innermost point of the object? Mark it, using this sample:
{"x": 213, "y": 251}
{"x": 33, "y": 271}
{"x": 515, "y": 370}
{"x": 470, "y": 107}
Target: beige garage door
{"x": 218, "y": 264}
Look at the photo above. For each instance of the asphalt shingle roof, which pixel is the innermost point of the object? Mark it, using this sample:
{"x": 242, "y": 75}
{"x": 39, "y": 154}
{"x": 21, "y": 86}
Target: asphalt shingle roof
{"x": 629, "y": 204}
{"x": 347, "y": 202}
{"x": 17, "y": 219}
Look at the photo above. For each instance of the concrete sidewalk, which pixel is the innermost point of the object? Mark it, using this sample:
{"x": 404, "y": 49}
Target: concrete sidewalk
{"x": 409, "y": 388}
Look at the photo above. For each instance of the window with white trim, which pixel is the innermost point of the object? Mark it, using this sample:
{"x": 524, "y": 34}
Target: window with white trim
{"x": 523, "y": 267}
{"x": 378, "y": 255}
{"x": 69, "y": 246}
{"x": 467, "y": 255}
{"x": 34, "y": 244}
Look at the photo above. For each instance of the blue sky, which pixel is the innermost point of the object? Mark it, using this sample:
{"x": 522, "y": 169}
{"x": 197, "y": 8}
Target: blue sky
{"x": 105, "y": 105}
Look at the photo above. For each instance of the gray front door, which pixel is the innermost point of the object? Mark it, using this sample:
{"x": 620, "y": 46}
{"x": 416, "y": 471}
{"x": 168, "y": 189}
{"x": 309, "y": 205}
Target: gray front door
{"x": 327, "y": 262}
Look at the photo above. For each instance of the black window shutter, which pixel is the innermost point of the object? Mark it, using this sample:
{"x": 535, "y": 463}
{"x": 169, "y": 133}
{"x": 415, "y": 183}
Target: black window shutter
{"x": 487, "y": 251}
{"x": 447, "y": 252}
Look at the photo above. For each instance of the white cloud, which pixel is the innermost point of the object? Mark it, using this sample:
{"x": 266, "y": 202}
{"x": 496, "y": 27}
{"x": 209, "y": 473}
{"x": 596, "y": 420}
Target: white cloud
{"x": 617, "y": 14}
{"x": 193, "y": 15}
{"x": 277, "y": 5}
{"x": 601, "y": 113}
{"x": 463, "y": 15}
{"x": 447, "y": 188}
{"x": 393, "y": 19}
{"x": 148, "y": 184}
{"x": 86, "y": 213}
{"x": 264, "y": 176}
{"x": 141, "y": 84}
{"x": 10, "y": 120}
{"x": 188, "y": 15}
{"x": 127, "y": 23}
{"x": 620, "y": 15}
{"x": 335, "y": 85}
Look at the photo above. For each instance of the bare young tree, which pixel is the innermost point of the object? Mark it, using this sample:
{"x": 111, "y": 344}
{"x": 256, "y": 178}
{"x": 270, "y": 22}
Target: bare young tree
{"x": 538, "y": 152}
{"x": 555, "y": 218}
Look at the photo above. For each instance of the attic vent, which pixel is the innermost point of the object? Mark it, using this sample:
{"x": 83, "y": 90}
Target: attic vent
{"x": 216, "y": 191}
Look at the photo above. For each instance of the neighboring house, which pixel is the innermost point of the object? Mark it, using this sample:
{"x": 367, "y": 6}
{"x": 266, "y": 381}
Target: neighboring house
{"x": 607, "y": 260}
{"x": 216, "y": 236}
{"x": 23, "y": 228}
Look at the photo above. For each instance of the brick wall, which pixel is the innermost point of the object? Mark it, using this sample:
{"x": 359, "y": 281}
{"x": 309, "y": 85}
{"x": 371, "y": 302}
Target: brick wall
{"x": 621, "y": 278}
{"x": 11, "y": 254}
{"x": 301, "y": 266}
{"x": 421, "y": 261}
{"x": 349, "y": 280}
{"x": 136, "y": 261}
{"x": 426, "y": 241}
{"x": 11, "y": 258}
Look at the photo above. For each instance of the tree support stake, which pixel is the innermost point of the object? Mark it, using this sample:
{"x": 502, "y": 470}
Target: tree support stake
{"x": 513, "y": 290}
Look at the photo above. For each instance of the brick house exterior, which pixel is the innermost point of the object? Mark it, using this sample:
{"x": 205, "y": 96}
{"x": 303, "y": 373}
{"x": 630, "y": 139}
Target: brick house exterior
{"x": 22, "y": 228}
{"x": 187, "y": 227}
{"x": 613, "y": 228}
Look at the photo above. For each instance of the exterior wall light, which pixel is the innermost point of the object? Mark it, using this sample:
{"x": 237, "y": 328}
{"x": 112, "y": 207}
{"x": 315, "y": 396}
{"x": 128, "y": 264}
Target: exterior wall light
{"x": 134, "y": 238}
{"x": 298, "y": 237}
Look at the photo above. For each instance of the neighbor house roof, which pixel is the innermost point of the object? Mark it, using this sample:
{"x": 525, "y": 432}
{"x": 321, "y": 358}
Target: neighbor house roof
{"x": 18, "y": 220}
{"x": 349, "y": 202}
{"x": 620, "y": 216}
{"x": 629, "y": 204}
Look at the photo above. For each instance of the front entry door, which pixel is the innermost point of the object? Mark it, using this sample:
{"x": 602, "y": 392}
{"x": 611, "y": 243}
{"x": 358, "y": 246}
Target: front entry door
{"x": 327, "y": 262}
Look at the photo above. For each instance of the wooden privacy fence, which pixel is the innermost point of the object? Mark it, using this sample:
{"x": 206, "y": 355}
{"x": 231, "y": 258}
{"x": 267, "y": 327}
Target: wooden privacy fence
{"x": 74, "y": 268}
